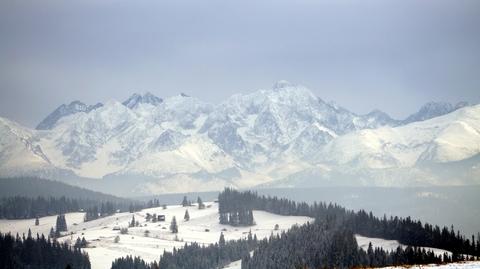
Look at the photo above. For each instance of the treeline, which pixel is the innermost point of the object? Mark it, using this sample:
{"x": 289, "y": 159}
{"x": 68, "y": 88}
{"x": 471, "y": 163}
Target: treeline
{"x": 195, "y": 256}
{"x": 19, "y": 207}
{"x": 405, "y": 230}
{"x": 412, "y": 232}
{"x": 105, "y": 209}
{"x": 39, "y": 253}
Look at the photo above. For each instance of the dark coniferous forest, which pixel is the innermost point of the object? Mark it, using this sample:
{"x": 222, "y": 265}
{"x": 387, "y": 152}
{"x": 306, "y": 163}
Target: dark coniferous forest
{"x": 39, "y": 253}
{"x": 19, "y": 207}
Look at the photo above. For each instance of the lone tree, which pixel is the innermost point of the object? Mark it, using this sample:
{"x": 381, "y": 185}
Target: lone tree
{"x": 201, "y": 205}
{"x": 174, "y": 226}
{"x": 132, "y": 223}
{"x": 187, "y": 216}
{"x": 185, "y": 201}
{"x": 37, "y": 222}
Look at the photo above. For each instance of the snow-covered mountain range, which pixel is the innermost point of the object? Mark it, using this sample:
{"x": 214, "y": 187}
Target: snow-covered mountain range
{"x": 284, "y": 136}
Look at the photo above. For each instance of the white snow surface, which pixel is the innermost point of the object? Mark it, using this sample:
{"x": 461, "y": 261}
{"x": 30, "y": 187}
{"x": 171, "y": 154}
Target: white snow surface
{"x": 100, "y": 234}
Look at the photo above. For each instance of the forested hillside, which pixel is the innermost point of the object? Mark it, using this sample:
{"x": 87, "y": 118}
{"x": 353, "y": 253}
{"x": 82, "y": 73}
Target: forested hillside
{"x": 328, "y": 242}
{"x": 34, "y": 187}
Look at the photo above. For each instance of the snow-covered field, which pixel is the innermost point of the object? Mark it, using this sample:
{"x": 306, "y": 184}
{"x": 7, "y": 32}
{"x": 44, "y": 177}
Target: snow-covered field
{"x": 390, "y": 245}
{"x": 22, "y": 226}
{"x": 203, "y": 227}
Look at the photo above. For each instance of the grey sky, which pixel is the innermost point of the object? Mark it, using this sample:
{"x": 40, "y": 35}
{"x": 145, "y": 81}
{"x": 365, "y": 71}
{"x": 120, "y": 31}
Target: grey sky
{"x": 391, "y": 55}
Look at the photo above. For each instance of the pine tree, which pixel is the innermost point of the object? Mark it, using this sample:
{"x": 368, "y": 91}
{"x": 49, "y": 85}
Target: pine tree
{"x": 132, "y": 223}
{"x": 61, "y": 224}
{"x": 174, "y": 226}
{"x": 201, "y": 205}
{"x": 187, "y": 216}
{"x": 37, "y": 221}
{"x": 78, "y": 243}
{"x": 84, "y": 243}
{"x": 221, "y": 241}
{"x": 52, "y": 233}
{"x": 185, "y": 201}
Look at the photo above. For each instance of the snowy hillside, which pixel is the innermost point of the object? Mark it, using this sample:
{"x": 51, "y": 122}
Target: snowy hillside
{"x": 202, "y": 227}
{"x": 283, "y": 136}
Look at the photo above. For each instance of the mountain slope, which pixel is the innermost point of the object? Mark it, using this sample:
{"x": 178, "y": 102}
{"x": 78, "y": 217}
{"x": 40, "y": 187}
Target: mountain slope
{"x": 149, "y": 144}
{"x": 63, "y": 111}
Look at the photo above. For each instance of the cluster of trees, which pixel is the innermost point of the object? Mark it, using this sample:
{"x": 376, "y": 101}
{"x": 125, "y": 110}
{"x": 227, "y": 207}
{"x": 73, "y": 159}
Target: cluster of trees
{"x": 153, "y": 203}
{"x": 236, "y": 208}
{"x": 80, "y": 243}
{"x": 39, "y": 253}
{"x": 106, "y": 209}
{"x": 186, "y": 202}
{"x": 130, "y": 262}
{"x": 133, "y": 222}
{"x": 195, "y": 256}
{"x": 405, "y": 230}
{"x": 61, "y": 223}
{"x": 413, "y": 232}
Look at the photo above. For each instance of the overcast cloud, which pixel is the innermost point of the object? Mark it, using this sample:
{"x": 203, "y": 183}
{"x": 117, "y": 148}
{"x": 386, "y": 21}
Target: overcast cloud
{"x": 390, "y": 55}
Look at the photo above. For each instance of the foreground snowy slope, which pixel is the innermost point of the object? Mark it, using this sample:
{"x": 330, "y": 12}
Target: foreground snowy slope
{"x": 459, "y": 265}
{"x": 283, "y": 136}
{"x": 203, "y": 227}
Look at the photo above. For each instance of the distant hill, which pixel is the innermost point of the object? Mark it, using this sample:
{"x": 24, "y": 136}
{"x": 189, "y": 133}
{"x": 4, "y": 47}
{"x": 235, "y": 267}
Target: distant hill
{"x": 34, "y": 187}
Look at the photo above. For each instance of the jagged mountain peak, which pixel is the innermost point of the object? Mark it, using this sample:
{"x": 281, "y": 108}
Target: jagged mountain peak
{"x": 138, "y": 98}
{"x": 432, "y": 110}
{"x": 65, "y": 110}
{"x": 281, "y": 84}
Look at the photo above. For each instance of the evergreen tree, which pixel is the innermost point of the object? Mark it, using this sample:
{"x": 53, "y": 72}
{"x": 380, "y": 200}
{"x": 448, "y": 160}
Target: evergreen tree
{"x": 61, "y": 224}
{"x": 52, "y": 233}
{"x": 185, "y": 201}
{"x": 201, "y": 205}
{"x": 187, "y": 216}
{"x": 174, "y": 226}
{"x": 132, "y": 223}
{"x": 37, "y": 221}
{"x": 221, "y": 241}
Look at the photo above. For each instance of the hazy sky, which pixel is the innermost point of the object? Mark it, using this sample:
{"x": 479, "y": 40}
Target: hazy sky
{"x": 391, "y": 55}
